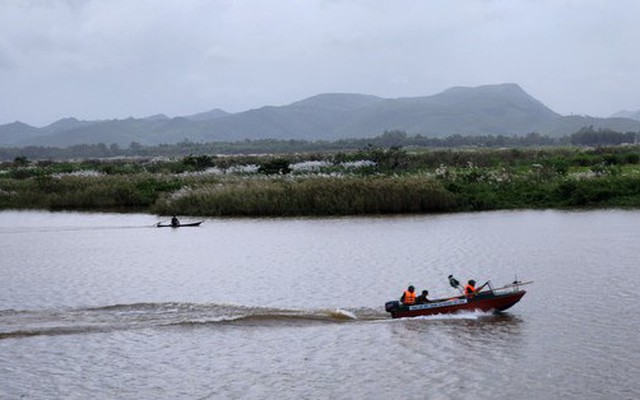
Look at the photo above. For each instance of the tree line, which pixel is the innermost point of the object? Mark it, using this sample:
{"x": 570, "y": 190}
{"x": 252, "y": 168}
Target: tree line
{"x": 587, "y": 136}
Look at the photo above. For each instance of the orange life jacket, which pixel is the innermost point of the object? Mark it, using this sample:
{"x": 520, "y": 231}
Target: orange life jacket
{"x": 409, "y": 298}
{"x": 469, "y": 290}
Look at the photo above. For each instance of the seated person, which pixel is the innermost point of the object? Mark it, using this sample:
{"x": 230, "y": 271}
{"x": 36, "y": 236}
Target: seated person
{"x": 423, "y": 297}
{"x": 470, "y": 289}
{"x": 409, "y": 296}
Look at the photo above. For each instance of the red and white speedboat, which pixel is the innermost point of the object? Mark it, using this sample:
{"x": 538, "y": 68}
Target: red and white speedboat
{"x": 490, "y": 299}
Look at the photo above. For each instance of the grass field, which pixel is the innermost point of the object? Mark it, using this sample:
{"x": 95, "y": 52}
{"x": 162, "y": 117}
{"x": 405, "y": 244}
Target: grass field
{"x": 370, "y": 181}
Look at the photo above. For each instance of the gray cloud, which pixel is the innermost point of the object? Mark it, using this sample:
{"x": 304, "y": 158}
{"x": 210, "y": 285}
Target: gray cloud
{"x": 112, "y": 59}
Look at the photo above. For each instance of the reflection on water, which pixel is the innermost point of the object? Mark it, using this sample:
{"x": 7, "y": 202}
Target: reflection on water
{"x": 473, "y": 334}
{"x": 294, "y": 308}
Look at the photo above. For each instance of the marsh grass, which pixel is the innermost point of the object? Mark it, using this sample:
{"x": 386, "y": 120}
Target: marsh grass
{"x": 370, "y": 181}
{"x": 312, "y": 196}
{"x": 134, "y": 192}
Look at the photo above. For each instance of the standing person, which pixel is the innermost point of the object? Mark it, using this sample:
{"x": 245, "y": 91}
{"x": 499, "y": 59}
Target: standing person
{"x": 470, "y": 289}
{"x": 174, "y": 221}
{"x": 409, "y": 296}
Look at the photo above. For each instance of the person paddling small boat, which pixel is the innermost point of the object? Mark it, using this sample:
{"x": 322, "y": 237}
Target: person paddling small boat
{"x": 175, "y": 223}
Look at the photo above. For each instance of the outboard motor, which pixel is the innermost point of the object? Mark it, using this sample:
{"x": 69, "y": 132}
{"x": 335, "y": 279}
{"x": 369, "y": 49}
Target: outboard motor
{"x": 391, "y": 305}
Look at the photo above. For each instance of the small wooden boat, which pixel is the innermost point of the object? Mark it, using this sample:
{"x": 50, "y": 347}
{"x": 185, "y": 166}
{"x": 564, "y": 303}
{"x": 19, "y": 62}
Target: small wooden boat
{"x": 496, "y": 300}
{"x": 180, "y": 225}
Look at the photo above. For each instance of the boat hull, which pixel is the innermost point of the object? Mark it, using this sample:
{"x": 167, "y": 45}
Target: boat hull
{"x": 481, "y": 302}
{"x": 161, "y": 225}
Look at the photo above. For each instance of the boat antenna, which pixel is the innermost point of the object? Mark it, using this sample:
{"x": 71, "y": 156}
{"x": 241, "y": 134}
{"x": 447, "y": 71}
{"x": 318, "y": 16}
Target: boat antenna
{"x": 516, "y": 281}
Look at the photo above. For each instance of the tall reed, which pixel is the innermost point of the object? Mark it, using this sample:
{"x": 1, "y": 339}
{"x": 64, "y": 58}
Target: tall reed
{"x": 133, "y": 192}
{"x": 311, "y": 196}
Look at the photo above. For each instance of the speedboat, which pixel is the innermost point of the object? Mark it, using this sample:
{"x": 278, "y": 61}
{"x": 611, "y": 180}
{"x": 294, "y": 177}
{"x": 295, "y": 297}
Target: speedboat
{"x": 491, "y": 299}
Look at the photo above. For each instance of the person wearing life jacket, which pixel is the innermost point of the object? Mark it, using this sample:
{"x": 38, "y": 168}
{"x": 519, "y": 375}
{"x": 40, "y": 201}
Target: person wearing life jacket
{"x": 470, "y": 289}
{"x": 409, "y": 296}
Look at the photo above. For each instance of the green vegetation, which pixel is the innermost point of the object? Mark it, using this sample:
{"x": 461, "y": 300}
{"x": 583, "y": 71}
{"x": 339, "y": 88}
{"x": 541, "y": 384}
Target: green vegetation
{"x": 311, "y": 196}
{"x": 371, "y": 180}
{"x": 587, "y": 136}
{"x": 116, "y": 192}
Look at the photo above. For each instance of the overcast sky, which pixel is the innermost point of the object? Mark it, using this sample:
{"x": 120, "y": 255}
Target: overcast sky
{"x": 102, "y": 59}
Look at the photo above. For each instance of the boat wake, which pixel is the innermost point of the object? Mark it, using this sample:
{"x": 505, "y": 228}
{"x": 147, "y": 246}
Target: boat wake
{"x": 466, "y": 315}
{"x": 476, "y": 315}
{"x": 28, "y": 323}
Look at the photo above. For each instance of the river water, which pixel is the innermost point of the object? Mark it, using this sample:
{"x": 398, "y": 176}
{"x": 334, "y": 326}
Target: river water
{"x": 107, "y": 306}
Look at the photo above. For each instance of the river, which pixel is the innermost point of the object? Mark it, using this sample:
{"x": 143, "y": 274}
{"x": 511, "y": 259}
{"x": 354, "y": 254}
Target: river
{"x": 107, "y": 306}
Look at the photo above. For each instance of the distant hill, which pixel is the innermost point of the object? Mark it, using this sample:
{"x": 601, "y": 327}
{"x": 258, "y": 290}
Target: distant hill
{"x": 17, "y": 132}
{"x": 207, "y": 115}
{"x": 627, "y": 114}
{"x": 496, "y": 109}
{"x": 504, "y": 109}
{"x": 66, "y": 124}
{"x": 156, "y": 117}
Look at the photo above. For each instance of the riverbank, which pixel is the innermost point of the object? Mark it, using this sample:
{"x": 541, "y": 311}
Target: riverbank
{"x": 370, "y": 181}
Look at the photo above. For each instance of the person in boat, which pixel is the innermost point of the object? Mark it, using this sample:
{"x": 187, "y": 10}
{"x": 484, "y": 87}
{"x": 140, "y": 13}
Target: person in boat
{"x": 409, "y": 296}
{"x": 175, "y": 221}
{"x": 470, "y": 289}
{"x": 423, "y": 297}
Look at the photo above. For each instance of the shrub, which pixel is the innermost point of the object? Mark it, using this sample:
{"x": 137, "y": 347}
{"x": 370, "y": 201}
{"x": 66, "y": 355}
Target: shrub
{"x": 198, "y": 163}
{"x": 275, "y": 166}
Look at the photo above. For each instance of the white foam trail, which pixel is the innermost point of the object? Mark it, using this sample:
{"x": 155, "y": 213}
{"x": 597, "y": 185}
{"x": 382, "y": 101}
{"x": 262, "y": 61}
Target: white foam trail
{"x": 464, "y": 315}
{"x": 344, "y": 313}
{"x": 460, "y": 315}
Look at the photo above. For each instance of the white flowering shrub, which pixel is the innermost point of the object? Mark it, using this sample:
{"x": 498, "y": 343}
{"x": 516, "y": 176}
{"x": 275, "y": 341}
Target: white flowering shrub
{"x": 309, "y": 166}
{"x": 357, "y": 164}
{"x": 87, "y": 172}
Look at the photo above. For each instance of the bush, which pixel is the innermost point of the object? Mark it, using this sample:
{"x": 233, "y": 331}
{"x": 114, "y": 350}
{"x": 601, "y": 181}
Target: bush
{"x": 275, "y": 166}
{"x": 198, "y": 163}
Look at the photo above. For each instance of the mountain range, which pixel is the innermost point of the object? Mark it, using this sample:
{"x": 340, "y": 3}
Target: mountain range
{"x": 503, "y": 109}
{"x": 628, "y": 114}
